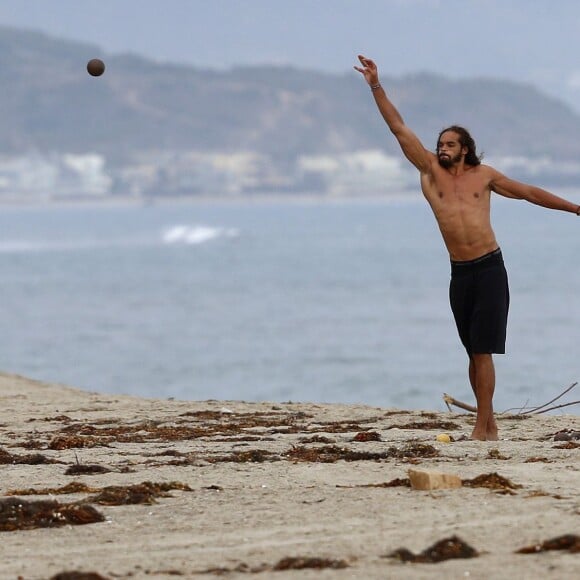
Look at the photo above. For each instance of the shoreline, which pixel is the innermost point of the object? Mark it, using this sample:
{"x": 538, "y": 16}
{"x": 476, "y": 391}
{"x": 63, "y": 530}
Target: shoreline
{"x": 242, "y": 199}
{"x": 267, "y": 485}
{"x": 408, "y": 195}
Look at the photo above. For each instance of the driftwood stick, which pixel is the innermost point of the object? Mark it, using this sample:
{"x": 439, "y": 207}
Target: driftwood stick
{"x": 521, "y": 410}
{"x": 449, "y": 400}
{"x": 556, "y": 407}
{"x": 536, "y": 409}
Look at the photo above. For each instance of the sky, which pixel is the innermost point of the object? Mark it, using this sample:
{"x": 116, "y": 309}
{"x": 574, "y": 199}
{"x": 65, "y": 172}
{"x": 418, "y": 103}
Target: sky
{"x": 534, "y": 41}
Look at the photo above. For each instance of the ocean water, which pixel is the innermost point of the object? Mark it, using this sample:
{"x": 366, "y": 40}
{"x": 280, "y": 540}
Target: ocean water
{"x": 279, "y": 301}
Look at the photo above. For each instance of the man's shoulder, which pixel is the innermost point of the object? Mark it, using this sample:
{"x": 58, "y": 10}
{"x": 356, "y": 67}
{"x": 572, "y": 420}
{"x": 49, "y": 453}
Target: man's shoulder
{"x": 485, "y": 168}
{"x": 484, "y": 171}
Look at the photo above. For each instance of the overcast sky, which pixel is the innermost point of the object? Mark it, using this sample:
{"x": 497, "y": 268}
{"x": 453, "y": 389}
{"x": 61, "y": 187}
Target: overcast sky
{"x": 536, "y": 41}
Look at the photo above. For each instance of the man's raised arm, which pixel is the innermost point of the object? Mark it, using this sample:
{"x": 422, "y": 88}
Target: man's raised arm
{"x": 409, "y": 142}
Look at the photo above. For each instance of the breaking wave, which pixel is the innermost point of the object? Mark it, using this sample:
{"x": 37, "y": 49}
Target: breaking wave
{"x": 198, "y": 234}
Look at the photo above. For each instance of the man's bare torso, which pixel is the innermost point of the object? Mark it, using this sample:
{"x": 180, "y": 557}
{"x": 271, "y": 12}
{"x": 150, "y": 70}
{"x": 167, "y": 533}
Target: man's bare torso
{"x": 461, "y": 204}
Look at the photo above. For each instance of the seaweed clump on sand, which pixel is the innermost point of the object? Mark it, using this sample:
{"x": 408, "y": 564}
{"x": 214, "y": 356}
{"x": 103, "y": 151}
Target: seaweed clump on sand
{"x": 86, "y": 469}
{"x": 297, "y": 563}
{"x": 569, "y": 542}
{"x": 19, "y": 514}
{"x": 140, "y": 493}
{"x": 287, "y": 563}
{"x": 331, "y": 453}
{"x": 446, "y": 549}
{"x": 365, "y": 436}
{"x": 428, "y": 425}
{"x": 7, "y": 458}
{"x": 73, "y": 487}
{"x": 492, "y": 481}
{"x": 397, "y": 482}
{"x": 75, "y": 575}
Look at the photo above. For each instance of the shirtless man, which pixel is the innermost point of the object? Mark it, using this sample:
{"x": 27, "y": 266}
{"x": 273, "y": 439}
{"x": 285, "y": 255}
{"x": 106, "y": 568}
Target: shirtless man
{"x": 458, "y": 188}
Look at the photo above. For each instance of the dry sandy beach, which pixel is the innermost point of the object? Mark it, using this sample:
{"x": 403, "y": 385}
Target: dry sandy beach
{"x": 229, "y": 489}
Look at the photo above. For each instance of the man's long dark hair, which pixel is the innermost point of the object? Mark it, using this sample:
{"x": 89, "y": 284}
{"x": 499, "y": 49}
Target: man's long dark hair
{"x": 466, "y": 140}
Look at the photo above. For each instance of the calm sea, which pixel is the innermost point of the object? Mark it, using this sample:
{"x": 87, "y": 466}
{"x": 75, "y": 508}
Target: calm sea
{"x": 257, "y": 300}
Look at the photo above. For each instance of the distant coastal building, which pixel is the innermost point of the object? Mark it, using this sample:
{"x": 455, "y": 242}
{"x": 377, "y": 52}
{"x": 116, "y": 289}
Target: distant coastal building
{"x": 158, "y": 174}
{"x": 36, "y": 176}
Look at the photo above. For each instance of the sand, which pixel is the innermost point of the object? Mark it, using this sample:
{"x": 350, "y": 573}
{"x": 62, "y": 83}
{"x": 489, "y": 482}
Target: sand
{"x": 279, "y": 490}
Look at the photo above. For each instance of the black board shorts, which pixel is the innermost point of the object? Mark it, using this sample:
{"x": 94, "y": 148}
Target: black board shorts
{"x": 479, "y": 297}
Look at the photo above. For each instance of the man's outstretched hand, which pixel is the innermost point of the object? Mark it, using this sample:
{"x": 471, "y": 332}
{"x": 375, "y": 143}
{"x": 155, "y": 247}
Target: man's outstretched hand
{"x": 368, "y": 70}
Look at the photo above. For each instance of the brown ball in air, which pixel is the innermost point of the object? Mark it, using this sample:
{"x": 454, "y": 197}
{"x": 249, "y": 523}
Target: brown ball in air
{"x": 96, "y": 67}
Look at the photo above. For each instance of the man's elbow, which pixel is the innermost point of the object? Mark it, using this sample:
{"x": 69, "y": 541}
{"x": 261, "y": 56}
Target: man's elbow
{"x": 397, "y": 129}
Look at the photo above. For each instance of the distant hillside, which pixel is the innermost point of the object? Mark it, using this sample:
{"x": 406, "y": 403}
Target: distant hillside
{"x": 49, "y": 103}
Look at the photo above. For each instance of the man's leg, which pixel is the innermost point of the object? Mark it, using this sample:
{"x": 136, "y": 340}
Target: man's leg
{"x": 482, "y": 379}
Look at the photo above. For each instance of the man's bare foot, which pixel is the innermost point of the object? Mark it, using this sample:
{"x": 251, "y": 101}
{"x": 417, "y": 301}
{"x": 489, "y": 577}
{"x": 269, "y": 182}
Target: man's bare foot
{"x": 479, "y": 435}
{"x": 491, "y": 435}
{"x": 491, "y": 431}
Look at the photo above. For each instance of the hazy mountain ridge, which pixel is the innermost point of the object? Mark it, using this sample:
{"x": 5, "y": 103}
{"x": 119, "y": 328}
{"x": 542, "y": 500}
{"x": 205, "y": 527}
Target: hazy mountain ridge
{"x": 51, "y": 105}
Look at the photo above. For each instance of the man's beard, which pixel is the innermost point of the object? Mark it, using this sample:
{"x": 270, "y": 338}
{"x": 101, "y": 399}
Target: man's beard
{"x": 447, "y": 162}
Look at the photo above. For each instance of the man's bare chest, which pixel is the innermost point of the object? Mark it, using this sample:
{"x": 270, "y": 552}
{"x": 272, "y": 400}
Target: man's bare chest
{"x": 444, "y": 190}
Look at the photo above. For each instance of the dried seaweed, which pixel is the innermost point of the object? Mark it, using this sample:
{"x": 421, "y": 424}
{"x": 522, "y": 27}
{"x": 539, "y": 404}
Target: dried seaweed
{"x": 446, "y": 549}
{"x": 568, "y": 445}
{"x": 491, "y": 481}
{"x": 397, "y": 482}
{"x": 538, "y": 460}
{"x": 140, "y": 493}
{"x": 336, "y": 427}
{"x": 396, "y": 412}
{"x": 59, "y": 418}
{"x": 428, "y": 425}
{"x": 332, "y": 453}
{"x": 211, "y": 423}
{"x": 364, "y": 436}
{"x": 73, "y": 487}
{"x": 317, "y": 439}
{"x": 569, "y": 542}
{"x": 414, "y": 450}
{"x": 298, "y": 563}
{"x": 7, "y": 458}
{"x": 139, "y": 433}
{"x": 169, "y": 453}
{"x": 77, "y": 442}
{"x": 288, "y": 563}
{"x": 496, "y": 454}
{"x": 241, "y": 438}
{"x": 207, "y": 415}
{"x": 19, "y": 514}
{"x": 75, "y": 575}
{"x": 86, "y": 469}
{"x": 250, "y": 419}
{"x": 250, "y": 456}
